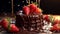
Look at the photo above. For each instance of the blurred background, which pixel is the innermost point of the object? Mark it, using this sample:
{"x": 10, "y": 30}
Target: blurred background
{"x": 48, "y": 6}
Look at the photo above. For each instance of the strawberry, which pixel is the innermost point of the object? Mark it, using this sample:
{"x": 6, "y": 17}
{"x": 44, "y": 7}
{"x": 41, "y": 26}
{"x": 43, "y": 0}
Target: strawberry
{"x": 46, "y": 17}
{"x": 26, "y": 10}
{"x": 4, "y": 23}
{"x": 38, "y": 11}
{"x": 13, "y": 28}
{"x": 10, "y": 27}
{"x": 32, "y": 7}
{"x": 56, "y": 27}
{"x": 56, "y": 21}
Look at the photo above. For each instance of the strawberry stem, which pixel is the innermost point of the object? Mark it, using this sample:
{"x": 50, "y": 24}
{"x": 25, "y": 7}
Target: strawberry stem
{"x": 34, "y": 3}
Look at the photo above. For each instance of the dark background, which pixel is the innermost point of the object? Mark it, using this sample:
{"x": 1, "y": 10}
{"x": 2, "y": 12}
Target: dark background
{"x": 48, "y": 6}
{"x": 51, "y": 6}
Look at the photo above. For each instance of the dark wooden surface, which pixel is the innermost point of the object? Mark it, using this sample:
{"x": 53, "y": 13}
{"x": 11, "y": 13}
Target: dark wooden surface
{"x": 20, "y": 32}
{"x": 26, "y": 32}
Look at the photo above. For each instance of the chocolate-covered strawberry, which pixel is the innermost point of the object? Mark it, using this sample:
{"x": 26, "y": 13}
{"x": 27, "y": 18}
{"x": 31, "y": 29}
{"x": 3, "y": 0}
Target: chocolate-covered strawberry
{"x": 5, "y": 23}
{"x": 26, "y": 10}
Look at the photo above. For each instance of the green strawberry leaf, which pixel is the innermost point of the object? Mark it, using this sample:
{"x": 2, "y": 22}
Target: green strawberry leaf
{"x": 34, "y": 3}
{"x": 51, "y": 19}
{"x": 9, "y": 23}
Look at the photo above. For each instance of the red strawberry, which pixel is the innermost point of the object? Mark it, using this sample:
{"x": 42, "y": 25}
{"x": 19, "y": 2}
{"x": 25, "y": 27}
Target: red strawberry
{"x": 56, "y": 21}
{"x": 56, "y": 27}
{"x": 13, "y": 28}
{"x": 4, "y": 23}
{"x": 46, "y": 17}
{"x": 10, "y": 27}
{"x": 33, "y": 7}
{"x": 26, "y": 10}
{"x": 38, "y": 11}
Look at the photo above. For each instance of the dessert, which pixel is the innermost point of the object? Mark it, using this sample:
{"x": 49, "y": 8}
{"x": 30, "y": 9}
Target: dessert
{"x": 30, "y": 18}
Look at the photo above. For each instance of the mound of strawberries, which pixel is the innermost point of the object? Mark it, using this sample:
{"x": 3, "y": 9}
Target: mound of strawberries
{"x": 30, "y": 9}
